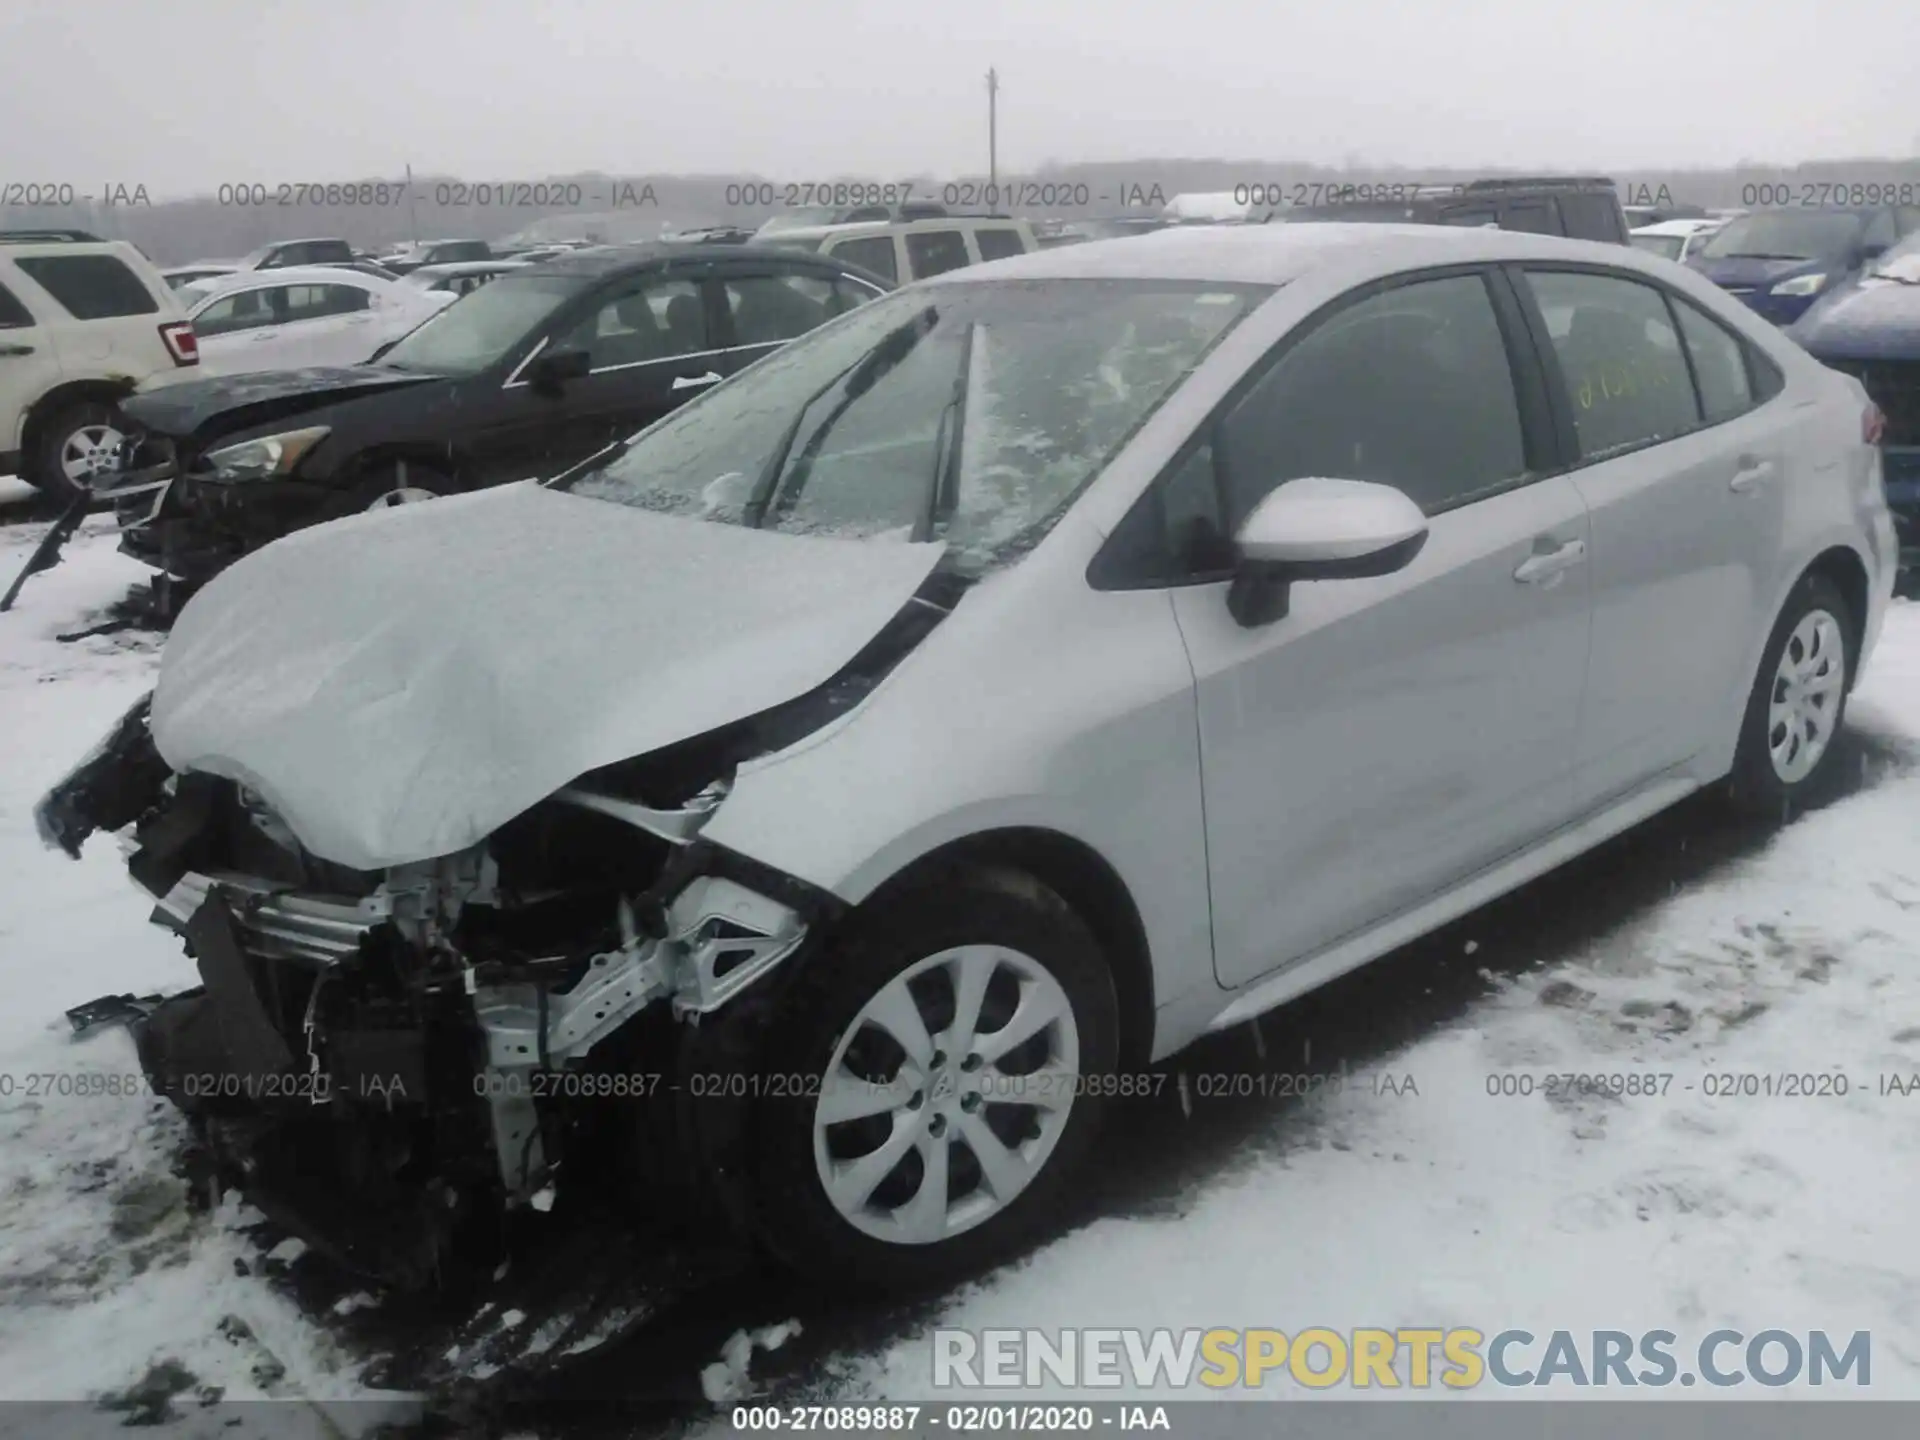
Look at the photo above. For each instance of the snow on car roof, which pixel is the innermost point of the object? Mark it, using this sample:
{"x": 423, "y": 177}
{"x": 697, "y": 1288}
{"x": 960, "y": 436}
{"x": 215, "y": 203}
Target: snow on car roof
{"x": 1275, "y": 254}
{"x": 1677, "y": 227}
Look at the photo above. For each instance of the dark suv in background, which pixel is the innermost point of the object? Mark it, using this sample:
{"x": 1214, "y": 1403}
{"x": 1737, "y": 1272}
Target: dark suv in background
{"x": 1581, "y": 207}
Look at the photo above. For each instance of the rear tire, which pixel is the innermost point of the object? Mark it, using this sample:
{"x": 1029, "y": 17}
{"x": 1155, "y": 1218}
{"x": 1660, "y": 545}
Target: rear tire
{"x": 78, "y": 447}
{"x": 1797, "y": 706}
{"x": 999, "y": 1128}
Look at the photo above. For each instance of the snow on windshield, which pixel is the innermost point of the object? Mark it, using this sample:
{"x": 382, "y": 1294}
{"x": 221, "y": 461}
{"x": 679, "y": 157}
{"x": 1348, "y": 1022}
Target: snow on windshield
{"x": 970, "y": 413}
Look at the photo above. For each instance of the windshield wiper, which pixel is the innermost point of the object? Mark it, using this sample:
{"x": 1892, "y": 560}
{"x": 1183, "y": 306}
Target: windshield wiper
{"x": 859, "y": 378}
{"x": 1756, "y": 255}
{"x": 944, "y": 485}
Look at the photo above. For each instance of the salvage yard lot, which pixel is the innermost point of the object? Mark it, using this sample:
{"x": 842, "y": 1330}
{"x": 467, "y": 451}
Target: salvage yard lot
{"x": 1687, "y": 948}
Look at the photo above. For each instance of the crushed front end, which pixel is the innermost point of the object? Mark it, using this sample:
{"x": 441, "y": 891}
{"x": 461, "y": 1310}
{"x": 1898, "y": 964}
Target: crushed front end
{"x": 403, "y": 1066}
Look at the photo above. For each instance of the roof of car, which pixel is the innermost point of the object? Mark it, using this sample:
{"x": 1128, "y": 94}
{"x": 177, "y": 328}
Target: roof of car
{"x": 1275, "y": 254}
{"x": 606, "y": 260}
{"x": 1676, "y": 227}
{"x": 889, "y": 227}
{"x": 286, "y": 275}
{"x": 465, "y": 267}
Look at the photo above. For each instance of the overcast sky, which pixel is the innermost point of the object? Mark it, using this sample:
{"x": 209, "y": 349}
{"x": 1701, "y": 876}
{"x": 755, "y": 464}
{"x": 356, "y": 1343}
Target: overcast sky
{"x": 181, "y": 95}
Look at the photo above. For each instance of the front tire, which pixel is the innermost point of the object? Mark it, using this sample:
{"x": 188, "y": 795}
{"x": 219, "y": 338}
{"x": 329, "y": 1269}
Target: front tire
{"x": 81, "y": 446}
{"x": 401, "y": 483}
{"x": 1798, "y": 704}
{"x": 935, "y": 1082}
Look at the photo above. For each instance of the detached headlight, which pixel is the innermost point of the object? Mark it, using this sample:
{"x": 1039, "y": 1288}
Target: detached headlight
{"x": 267, "y": 456}
{"x": 1801, "y": 284}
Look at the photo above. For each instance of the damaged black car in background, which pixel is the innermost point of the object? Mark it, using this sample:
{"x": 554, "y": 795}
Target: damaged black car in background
{"x": 520, "y": 379}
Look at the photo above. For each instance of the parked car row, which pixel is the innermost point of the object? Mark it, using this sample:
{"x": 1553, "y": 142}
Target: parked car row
{"x": 979, "y": 692}
{"x": 540, "y": 367}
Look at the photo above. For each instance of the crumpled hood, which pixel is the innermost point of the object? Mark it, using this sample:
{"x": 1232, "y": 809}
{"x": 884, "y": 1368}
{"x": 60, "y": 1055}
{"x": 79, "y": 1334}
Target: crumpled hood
{"x": 180, "y": 409}
{"x": 398, "y": 685}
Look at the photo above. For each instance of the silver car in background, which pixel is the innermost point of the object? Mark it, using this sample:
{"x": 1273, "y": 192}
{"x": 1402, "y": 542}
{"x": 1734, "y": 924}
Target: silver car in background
{"x": 987, "y": 695}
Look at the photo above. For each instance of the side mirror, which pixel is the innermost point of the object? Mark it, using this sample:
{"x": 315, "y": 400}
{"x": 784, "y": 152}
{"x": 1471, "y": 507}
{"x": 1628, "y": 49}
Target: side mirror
{"x": 553, "y": 369}
{"x": 1320, "y": 529}
{"x": 1871, "y": 251}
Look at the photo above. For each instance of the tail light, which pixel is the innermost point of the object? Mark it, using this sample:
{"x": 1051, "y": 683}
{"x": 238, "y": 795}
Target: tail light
{"x": 182, "y": 344}
{"x": 1873, "y": 424}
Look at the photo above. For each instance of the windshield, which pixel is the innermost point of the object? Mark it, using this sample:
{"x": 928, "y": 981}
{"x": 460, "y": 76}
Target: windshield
{"x": 479, "y": 328}
{"x": 1667, "y": 245}
{"x": 1785, "y": 235}
{"x": 965, "y": 412}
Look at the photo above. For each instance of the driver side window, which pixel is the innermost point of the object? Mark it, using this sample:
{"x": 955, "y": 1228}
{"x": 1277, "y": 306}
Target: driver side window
{"x": 1409, "y": 387}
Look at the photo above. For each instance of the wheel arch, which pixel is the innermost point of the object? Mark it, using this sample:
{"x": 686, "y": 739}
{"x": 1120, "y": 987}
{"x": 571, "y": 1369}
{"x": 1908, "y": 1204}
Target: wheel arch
{"x": 1088, "y": 883}
{"x": 1843, "y": 566}
{"x": 106, "y": 390}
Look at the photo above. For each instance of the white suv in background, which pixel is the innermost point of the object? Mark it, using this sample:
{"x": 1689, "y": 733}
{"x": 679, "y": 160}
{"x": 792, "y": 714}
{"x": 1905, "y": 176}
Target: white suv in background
{"x": 83, "y": 322}
{"x": 902, "y": 251}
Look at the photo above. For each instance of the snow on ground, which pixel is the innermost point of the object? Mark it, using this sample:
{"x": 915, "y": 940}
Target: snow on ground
{"x": 1451, "y": 1206}
{"x": 104, "y": 1272}
{"x": 1679, "y": 1212}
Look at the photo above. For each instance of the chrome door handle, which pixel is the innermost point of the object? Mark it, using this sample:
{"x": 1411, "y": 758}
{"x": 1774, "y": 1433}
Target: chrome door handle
{"x": 1536, "y": 569}
{"x": 683, "y": 382}
{"x": 1752, "y": 473}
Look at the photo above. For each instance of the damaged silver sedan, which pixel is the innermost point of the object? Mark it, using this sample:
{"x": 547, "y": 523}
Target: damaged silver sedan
{"x": 806, "y": 817}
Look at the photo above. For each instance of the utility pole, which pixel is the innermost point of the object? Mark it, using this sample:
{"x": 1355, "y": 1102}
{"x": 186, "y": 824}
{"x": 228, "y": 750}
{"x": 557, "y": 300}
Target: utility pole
{"x": 993, "y": 137}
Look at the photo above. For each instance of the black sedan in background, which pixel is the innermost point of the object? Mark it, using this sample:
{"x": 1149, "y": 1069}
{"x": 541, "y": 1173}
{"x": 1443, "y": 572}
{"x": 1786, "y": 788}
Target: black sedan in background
{"x": 520, "y": 379}
{"x": 1869, "y": 328}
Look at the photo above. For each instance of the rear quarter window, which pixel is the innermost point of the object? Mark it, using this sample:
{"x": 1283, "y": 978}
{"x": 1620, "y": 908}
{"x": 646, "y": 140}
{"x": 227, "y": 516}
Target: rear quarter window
{"x": 998, "y": 244}
{"x": 90, "y": 287}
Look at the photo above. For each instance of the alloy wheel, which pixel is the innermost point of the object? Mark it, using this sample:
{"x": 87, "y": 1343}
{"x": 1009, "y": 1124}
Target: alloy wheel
{"x": 1803, "y": 707}
{"x": 946, "y": 1095}
{"x": 91, "y": 453}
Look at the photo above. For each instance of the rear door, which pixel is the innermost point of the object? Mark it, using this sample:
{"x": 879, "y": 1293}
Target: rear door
{"x": 96, "y": 310}
{"x": 1685, "y": 467}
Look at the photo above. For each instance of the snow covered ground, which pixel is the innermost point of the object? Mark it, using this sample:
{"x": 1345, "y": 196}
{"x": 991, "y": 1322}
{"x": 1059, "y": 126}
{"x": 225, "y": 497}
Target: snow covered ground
{"x": 1446, "y": 1207}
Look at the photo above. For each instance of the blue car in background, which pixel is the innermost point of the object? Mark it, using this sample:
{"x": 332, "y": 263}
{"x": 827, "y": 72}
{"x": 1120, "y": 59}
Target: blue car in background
{"x": 1780, "y": 261}
{"x": 1869, "y": 327}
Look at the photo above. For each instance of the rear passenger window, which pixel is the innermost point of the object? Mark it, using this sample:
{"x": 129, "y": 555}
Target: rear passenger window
{"x": 1591, "y": 216}
{"x": 874, "y": 253}
{"x": 768, "y": 309}
{"x": 934, "y": 252}
{"x": 1410, "y": 388}
{"x": 1533, "y": 217}
{"x": 999, "y": 244}
{"x": 1620, "y": 360}
{"x": 13, "y": 315}
{"x": 90, "y": 287}
{"x": 1719, "y": 365}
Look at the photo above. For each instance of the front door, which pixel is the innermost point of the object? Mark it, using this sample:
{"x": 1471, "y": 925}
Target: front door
{"x": 1388, "y": 737}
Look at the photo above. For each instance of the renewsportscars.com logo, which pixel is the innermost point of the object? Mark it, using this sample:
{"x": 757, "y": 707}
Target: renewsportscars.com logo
{"x": 1455, "y": 1359}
